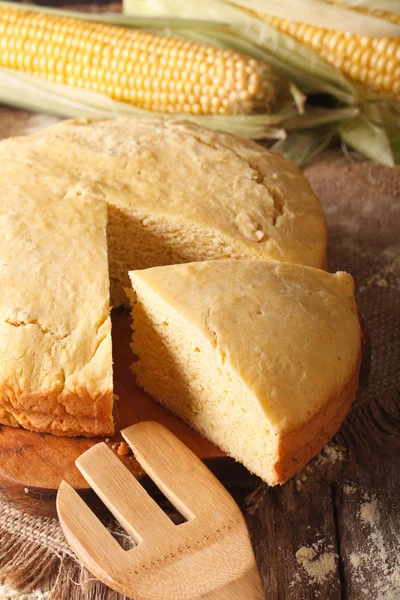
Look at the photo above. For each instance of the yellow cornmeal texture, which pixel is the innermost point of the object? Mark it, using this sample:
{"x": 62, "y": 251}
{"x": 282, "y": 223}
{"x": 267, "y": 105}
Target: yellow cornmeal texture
{"x": 55, "y": 330}
{"x": 179, "y": 193}
{"x": 261, "y": 357}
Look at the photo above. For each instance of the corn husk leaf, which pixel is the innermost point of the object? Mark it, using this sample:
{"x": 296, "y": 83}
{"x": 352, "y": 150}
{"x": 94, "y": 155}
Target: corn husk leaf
{"x": 299, "y": 98}
{"x": 395, "y": 145}
{"x": 31, "y": 93}
{"x": 302, "y": 147}
{"x": 253, "y": 36}
{"x": 327, "y": 16}
{"x": 390, "y": 6}
{"x": 370, "y": 140}
{"x": 385, "y": 113}
{"x": 316, "y": 117}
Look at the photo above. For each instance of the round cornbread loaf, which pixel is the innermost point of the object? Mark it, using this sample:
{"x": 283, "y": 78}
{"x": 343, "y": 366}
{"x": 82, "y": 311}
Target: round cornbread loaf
{"x": 173, "y": 193}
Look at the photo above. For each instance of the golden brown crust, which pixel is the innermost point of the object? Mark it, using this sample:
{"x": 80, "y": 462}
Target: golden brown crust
{"x": 55, "y": 328}
{"x": 299, "y": 446}
{"x": 63, "y": 424}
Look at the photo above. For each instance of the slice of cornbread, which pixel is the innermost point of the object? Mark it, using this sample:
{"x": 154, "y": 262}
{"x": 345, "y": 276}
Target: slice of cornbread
{"x": 55, "y": 329}
{"x": 261, "y": 357}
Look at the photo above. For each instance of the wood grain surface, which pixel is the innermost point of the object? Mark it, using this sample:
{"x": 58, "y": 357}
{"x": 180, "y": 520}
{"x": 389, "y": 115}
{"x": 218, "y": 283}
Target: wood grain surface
{"x": 344, "y": 506}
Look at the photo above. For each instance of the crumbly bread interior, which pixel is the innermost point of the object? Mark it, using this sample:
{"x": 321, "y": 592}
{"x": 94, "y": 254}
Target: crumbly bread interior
{"x": 175, "y": 369}
{"x": 138, "y": 241}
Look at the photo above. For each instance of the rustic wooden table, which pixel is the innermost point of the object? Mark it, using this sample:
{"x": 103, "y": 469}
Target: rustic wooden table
{"x": 333, "y": 531}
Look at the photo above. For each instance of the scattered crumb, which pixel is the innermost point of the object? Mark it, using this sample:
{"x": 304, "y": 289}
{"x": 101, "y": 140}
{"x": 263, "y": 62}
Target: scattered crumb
{"x": 318, "y": 568}
{"x": 324, "y": 465}
{"x": 355, "y": 560}
{"x": 305, "y": 552}
{"x": 334, "y": 453}
{"x": 369, "y": 512}
{"x": 107, "y": 440}
{"x": 123, "y": 449}
{"x": 114, "y": 446}
{"x": 26, "y": 490}
{"x": 388, "y": 275}
{"x": 374, "y": 566}
{"x": 300, "y": 479}
{"x": 295, "y": 581}
{"x": 115, "y": 397}
{"x": 349, "y": 489}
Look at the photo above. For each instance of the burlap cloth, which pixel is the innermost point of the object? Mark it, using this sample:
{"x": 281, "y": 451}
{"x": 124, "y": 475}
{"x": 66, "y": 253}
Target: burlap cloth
{"x": 362, "y": 206}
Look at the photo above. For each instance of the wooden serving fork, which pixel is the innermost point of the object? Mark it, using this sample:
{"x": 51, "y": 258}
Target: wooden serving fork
{"x": 209, "y": 556}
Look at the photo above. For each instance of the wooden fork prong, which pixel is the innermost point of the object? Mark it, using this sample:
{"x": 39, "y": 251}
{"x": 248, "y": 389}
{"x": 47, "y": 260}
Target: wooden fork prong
{"x": 123, "y": 495}
{"x": 86, "y": 535}
{"x": 178, "y": 473}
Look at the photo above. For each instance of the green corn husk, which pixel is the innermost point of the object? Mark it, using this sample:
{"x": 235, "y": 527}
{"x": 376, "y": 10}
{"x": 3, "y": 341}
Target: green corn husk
{"x": 317, "y": 117}
{"x": 390, "y": 6}
{"x": 31, "y": 93}
{"x": 376, "y": 132}
{"x": 372, "y": 141}
{"x": 301, "y": 147}
{"x": 326, "y": 15}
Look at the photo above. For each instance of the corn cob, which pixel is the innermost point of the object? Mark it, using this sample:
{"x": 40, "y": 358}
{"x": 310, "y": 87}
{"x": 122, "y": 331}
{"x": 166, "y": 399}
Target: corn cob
{"x": 372, "y": 61}
{"x": 146, "y": 70}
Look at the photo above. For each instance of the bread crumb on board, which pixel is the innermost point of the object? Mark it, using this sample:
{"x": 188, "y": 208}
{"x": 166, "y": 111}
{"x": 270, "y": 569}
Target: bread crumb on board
{"x": 318, "y": 565}
{"x": 323, "y": 465}
{"x": 123, "y": 449}
{"x": 375, "y": 566}
{"x": 332, "y": 454}
{"x": 369, "y": 512}
{"x": 349, "y": 489}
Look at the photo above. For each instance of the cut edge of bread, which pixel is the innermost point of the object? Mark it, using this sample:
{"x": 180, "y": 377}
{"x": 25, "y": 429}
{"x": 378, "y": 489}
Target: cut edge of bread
{"x": 285, "y": 452}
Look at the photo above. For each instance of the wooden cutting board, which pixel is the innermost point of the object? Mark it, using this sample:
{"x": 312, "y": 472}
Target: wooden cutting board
{"x": 32, "y": 465}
